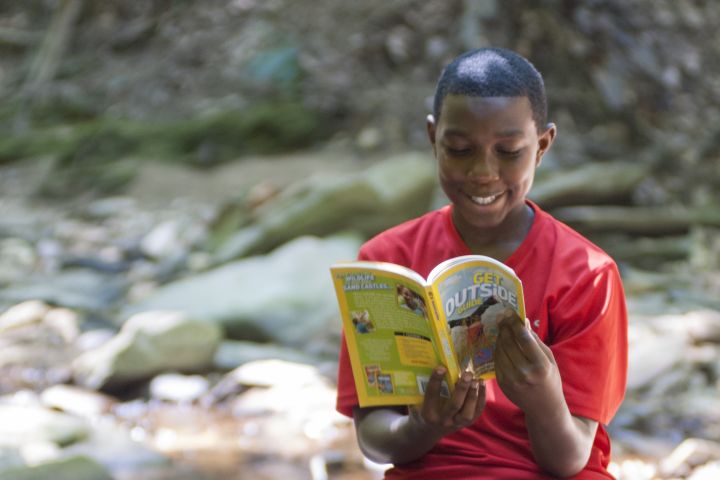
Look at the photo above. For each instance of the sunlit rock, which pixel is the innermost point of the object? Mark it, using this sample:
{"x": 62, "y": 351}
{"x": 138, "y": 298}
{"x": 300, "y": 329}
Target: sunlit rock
{"x": 149, "y": 343}
{"x": 177, "y": 388}
{"x": 21, "y": 425}
{"x": 77, "y": 401}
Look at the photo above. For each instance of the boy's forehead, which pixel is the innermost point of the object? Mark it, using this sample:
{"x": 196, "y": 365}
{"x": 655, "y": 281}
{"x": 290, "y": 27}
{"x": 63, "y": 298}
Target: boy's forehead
{"x": 474, "y": 103}
{"x": 499, "y": 113}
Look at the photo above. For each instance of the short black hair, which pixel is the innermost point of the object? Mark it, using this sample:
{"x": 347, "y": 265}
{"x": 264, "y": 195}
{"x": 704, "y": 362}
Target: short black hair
{"x": 493, "y": 72}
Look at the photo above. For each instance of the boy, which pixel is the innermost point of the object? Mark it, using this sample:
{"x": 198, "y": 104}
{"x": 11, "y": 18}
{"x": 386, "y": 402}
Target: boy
{"x": 562, "y": 376}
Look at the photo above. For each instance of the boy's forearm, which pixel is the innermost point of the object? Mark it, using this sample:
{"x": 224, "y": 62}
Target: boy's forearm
{"x": 560, "y": 442}
{"x": 389, "y": 436}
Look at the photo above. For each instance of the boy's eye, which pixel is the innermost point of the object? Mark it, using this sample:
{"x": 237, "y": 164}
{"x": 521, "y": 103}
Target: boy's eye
{"x": 509, "y": 153}
{"x": 458, "y": 152}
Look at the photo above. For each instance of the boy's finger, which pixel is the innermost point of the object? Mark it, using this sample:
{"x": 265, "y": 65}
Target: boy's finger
{"x": 433, "y": 401}
{"x": 466, "y": 415}
{"x": 455, "y": 405}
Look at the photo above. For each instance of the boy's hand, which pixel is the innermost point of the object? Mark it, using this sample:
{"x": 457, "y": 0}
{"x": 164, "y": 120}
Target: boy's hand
{"x": 440, "y": 416}
{"x": 525, "y": 367}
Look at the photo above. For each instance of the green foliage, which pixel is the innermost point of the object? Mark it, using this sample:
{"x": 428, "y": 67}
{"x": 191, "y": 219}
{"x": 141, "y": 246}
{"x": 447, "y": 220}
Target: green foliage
{"x": 87, "y": 152}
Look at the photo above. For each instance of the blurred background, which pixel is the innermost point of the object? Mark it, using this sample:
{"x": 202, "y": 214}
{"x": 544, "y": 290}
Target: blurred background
{"x": 176, "y": 177}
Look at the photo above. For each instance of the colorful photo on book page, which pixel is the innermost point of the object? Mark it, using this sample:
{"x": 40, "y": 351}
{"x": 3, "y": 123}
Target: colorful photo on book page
{"x": 474, "y": 300}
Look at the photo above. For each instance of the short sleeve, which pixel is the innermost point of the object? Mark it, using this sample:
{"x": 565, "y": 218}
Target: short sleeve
{"x": 589, "y": 342}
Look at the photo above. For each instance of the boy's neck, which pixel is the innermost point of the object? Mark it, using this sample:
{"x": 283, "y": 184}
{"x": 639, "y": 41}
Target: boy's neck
{"x": 501, "y": 241}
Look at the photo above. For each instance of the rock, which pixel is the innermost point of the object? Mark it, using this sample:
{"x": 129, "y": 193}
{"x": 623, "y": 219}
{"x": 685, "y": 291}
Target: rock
{"x": 71, "y": 468}
{"x": 295, "y": 305}
{"x": 163, "y": 241}
{"x": 632, "y": 469}
{"x": 9, "y": 457}
{"x": 109, "y": 207}
{"x": 369, "y": 139}
{"x": 112, "y": 446}
{"x": 23, "y": 314}
{"x": 709, "y": 471}
{"x": 177, "y": 388}
{"x": 93, "y": 339}
{"x": 296, "y": 408}
{"x": 233, "y": 353}
{"x": 651, "y": 354}
{"x": 589, "y": 184}
{"x": 690, "y": 454}
{"x": 65, "y": 322}
{"x": 17, "y": 259}
{"x": 149, "y": 343}
{"x": 642, "y": 444}
{"x": 384, "y": 195}
{"x": 263, "y": 373}
{"x": 20, "y": 425}
{"x": 702, "y": 326}
{"x": 76, "y": 289}
{"x": 77, "y": 401}
{"x": 268, "y": 373}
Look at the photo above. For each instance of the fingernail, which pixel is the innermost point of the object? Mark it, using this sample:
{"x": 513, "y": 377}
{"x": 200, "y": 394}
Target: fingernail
{"x": 440, "y": 371}
{"x": 467, "y": 376}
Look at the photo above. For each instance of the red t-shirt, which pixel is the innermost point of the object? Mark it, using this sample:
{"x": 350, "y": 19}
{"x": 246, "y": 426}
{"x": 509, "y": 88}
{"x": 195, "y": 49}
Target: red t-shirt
{"x": 575, "y": 302}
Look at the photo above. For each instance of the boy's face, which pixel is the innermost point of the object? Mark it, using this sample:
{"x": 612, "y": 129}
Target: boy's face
{"x": 487, "y": 150}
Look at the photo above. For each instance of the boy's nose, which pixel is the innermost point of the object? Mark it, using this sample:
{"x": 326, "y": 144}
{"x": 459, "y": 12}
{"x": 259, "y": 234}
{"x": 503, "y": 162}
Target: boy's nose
{"x": 483, "y": 167}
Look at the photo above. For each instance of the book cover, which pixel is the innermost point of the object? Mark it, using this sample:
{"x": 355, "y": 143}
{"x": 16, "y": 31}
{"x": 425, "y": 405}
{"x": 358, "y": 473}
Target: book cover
{"x": 399, "y": 326}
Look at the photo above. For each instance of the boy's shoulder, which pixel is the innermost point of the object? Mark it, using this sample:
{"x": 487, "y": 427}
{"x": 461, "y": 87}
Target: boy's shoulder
{"x": 569, "y": 244}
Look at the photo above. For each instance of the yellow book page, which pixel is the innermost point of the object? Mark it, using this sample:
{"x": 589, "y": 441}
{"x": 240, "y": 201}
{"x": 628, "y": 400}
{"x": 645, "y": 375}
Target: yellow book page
{"x": 389, "y": 332}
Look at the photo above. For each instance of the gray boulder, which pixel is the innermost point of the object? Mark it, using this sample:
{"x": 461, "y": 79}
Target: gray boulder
{"x": 366, "y": 202}
{"x": 149, "y": 343}
{"x": 286, "y": 296}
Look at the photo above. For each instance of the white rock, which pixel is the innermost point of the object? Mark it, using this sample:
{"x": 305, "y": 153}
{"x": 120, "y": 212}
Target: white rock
{"x": 23, "y": 314}
{"x": 163, "y": 241}
{"x": 178, "y": 388}
{"x": 709, "y": 471}
{"x": 268, "y": 373}
{"x": 690, "y": 454}
{"x": 78, "y": 401}
{"x": 65, "y": 322}
{"x": 650, "y": 354}
{"x": 20, "y": 425}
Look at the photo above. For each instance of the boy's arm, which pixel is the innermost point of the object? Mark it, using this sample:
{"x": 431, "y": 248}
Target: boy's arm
{"x": 389, "y": 435}
{"x": 529, "y": 377}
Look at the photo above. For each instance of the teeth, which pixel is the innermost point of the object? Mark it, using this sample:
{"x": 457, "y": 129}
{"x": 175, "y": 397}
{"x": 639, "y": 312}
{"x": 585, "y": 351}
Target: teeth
{"x": 484, "y": 200}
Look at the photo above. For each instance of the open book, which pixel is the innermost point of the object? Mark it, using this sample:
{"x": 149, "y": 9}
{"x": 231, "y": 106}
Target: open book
{"x": 399, "y": 326}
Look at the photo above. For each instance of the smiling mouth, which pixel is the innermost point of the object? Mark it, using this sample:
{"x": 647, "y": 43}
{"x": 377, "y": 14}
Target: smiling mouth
{"x": 484, "y": 200}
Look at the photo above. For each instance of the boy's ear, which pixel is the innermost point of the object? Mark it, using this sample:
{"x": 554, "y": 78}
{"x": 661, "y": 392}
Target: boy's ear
{"x": 430, "y": 126}
{"x": 545, "y": 141}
